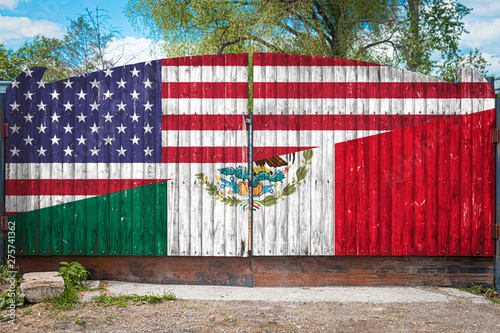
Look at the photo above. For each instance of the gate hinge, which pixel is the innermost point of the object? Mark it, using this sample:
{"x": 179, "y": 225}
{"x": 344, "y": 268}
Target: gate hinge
{"x": 495, "y": 231}
{"x": 496, "y": 135}
{"x": 5, "y": 130}
{"x": 4, "y": 223}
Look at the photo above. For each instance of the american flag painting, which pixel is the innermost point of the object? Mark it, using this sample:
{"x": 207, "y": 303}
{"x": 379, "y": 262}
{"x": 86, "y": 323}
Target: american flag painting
{"x": 349, "y": 158}
{"x": 84, "y": 144}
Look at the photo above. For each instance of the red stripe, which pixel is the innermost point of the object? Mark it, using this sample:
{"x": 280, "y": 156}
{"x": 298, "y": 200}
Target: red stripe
{"x": 204, "y": 90}
{"x": 222, "y": 154}
{"x": 277, "y": 59}
{"x": 73, "y": 186}
{"x": 338, "y": 122}
{"x": 203, "y": 122}
{"x": 291, "y": 90}
{"x": 236, "y": 59}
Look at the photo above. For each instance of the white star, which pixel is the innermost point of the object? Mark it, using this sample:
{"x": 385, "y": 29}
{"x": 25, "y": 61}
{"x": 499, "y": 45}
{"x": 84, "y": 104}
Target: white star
{"x": 15, "y": 83}
{"x": 41, "y": 151}
{"x": 148, "y": 106}
{"x": 81, "y": 117}
{"x": 68, "y": 151}
{"x": 81, "y": 94}
{"x": 15, "y": 129}
{"x": 148, "y": 63}
{"x": 121, "y": 129}
{"x": 121, "y": 151}
{"x": 28, "y": 95}
{"x": 108, "y": 140}
{"x": 147, "y": 84}
{"x": 95, "y": 151}
{"x": 67, "y": 106}
{"x": 148, "y": 151}
{"x": 68, "y": 84}
{"x": 121, "y": 106}
{"x": 41, "y": 106}
{"x": 108, "y": 72}
{"x": 121, "y": 84}
{"x": 15, "y": 106}
{"x": 55, "y": 117}
{"x": 55, "y": 140}
{"x": 95, "y": 128}
{"x": 81, "y": 140}
{"x": 54, "y": 94}
{"x": 68, "y": 129}
{"x": 94, "y": 83}
{"x": 28, "y": 140}
{"x": 135, "y": 95}
{"x": 108, "y": 117}
{"x": 95, "y": 106}
{"x": 135, "y": 140}
{"x": 28, "y": 117}
{"x": 41, "y": 128}
{"x": 41, "y": 84}
{"x": 135, "y": 72}
{"x": 28, "y": 72}
{"x": 15, "y": 151}
{"x": 135, "y": 117}
{"x": 108, "y": 94}
{"x": 148, "y": 129}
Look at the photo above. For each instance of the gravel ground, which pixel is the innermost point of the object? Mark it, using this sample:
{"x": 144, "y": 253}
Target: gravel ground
{"x": 458, "y": 312}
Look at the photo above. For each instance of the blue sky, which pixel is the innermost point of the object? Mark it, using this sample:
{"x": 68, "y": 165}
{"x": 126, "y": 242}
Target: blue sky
{"x": 20, "y": 20}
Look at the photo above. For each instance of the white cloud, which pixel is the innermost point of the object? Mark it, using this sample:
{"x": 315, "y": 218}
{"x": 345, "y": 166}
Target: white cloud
{"x": 10, "y": 4}
{"x": 484, "y": 33}
{"x": 131, "y": 50}
{"x": 15, "y": 29}
{"x": 494, "y": 61}
{"x": 484, "y": 8}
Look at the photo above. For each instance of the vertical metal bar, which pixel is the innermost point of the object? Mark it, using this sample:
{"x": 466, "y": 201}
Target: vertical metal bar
{"x": 2, "y": 179}
{"x": 491, "y": 80}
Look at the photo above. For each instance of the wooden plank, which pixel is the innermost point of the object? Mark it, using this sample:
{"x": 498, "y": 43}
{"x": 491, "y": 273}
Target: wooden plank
{"x": 489, "y": 183}
{"x": 443, "y": 187}
{"x": 419, "y": 176}
{"x": 279, "y": 271}
{"x": 456, "y": 151}
{"x": 431, "y": 142}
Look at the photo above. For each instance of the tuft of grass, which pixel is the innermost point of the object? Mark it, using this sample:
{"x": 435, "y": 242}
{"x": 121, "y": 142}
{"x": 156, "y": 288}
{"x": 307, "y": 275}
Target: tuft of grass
{"x": 74, "y": 275}
{"x": 481, "y": 290}
{"x": 126, "y": 300}
{"x": 79, "y": 321}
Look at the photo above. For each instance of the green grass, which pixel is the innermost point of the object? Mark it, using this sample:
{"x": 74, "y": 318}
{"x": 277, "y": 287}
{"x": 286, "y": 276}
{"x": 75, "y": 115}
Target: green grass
{"x": 126, "y": 300}
{"x": 480, "y": 290}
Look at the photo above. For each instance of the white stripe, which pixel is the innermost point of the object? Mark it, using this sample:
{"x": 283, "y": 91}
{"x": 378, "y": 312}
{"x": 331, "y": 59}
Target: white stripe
{"x": 308, "y": 138}
{"x": 207, "y": 106}
{"x": 86, "y": 171}
{"x": 20, "y": 204}
{"x": 373, "y": 106}
{"x": 204, "y": 74}
{"x": 203, "y": 138}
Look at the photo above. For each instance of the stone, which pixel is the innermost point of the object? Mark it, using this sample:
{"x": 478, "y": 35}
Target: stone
{"x": 38, "y": 286}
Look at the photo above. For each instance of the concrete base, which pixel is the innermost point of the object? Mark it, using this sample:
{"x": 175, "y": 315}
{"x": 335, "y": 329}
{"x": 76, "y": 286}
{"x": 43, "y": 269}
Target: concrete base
{"x": 38, "y": 286}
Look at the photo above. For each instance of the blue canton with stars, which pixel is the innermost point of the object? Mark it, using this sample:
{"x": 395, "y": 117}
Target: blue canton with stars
{"x": 110, "y": 116}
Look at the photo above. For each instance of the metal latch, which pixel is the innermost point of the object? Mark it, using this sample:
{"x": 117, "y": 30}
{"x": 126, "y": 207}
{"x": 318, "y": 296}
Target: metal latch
{"x": 496, "y": 135}
{"x": 4, "y": 223}
{"x": 495, "y": 231}
{"x": 5, "y": 130}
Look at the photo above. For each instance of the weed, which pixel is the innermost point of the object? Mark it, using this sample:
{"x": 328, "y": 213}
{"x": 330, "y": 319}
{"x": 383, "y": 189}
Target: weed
{"x": 74, "y": 275}
{"x": 79, "y": 321}
{"x": 27, "y": 312}
{"x": 478, "y": 289}
{"x": 122, "y": 300}
{"x": 13, "y": 294}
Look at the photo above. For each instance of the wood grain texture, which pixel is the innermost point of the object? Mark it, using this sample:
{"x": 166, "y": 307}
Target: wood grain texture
{"x": 279, "y": 271}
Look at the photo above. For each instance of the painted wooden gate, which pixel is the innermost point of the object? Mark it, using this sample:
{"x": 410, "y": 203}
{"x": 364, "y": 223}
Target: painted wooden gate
{"x": 349, "y": 158}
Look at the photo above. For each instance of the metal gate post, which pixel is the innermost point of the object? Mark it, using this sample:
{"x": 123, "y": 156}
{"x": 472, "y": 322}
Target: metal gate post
{"x": 491, "y": 80}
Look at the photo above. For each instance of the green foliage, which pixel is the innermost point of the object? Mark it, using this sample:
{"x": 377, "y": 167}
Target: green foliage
{"x": 289, "y": 190}
{"x": 122, "y": 300}
{"x": 79, "y": 321}
{"x": 308, "y": 154}
{"x": 11, "y": 295}
{"x": 231, "y": 201}
{"x": 320, "y": 27}
{"x": 268, "y": 201}
{"x": 73, "y": 273}
{"x": 302, "y": 173}
{"x": 481, "y": 290}
{"x": 474, "y": 60}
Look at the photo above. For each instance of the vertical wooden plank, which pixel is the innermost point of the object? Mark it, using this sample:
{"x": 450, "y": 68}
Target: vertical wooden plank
{"x": 489, "y": 189}
{"x": 408, "y": 171}
{"x": 477, "y": 177}
{"x": 374, "y": 178}
{"x": 443, "y": 179}
{"x": 419, "y": 172}
{"x": 386, "y": 73}
{"x": 397, "y": 163}
{"x": 466, "y": 167}
{"x": 454, "y": 178}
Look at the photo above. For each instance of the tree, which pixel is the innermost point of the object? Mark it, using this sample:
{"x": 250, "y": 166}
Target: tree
{"x": 474, "y": 60}
{"x": 85, "y": 48}
{"x": 322, "y": 27}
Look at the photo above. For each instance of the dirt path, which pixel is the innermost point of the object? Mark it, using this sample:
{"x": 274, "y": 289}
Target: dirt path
{"x": 459, "y": 313}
